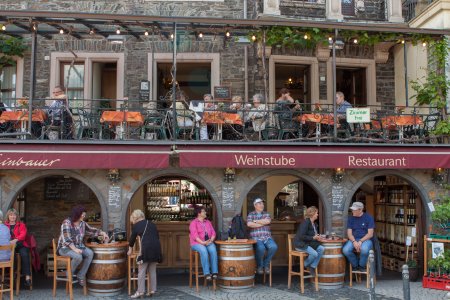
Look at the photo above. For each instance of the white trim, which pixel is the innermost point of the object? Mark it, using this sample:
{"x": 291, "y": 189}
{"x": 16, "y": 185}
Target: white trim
{"x": 295, "y": 60}
{"x": 213, "y": 58}
{"x": 371, "y": 77}
{"x": 19, "y": 76}
{"x": 309, "y": 152}
{"x": 88, "y": 58}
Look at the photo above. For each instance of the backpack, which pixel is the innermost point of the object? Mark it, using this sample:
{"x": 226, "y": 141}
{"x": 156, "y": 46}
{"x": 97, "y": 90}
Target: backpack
{"x": 237, "y": 229}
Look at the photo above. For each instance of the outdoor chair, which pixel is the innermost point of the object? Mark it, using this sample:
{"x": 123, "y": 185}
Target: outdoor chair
{"x": 133, "y": 268}
{"x": 9, "y": 264}
{"x": 292, "y": 253}
{"x": 19, "y": 271}
{"x": 194, "y": 272}
{"x": 359, "y": 273}
{"x": 88, "y": 124}
{"x": 153, "y": 128}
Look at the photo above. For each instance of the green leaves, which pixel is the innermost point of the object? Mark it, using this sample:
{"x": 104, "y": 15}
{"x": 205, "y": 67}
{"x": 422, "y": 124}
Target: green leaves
{"x": 10, "y": 47}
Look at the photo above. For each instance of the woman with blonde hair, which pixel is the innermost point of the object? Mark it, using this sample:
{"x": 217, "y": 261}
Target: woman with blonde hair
{"x": 18, "y": 232}
{"x": 308, "y": 239}
{"x": 150, "y": 252}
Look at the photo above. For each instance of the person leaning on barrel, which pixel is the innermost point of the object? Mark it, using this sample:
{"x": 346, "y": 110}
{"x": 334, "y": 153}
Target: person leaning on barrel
{"x": 202, "y": 236}
{"x": 258, "y": 221}
{"x": 150, "y": 251}
{"x": 308, "y": 239}
{"x": 70, "y": 243}
{"x": 360, "y": 228}
{"x": 18, "y": 232}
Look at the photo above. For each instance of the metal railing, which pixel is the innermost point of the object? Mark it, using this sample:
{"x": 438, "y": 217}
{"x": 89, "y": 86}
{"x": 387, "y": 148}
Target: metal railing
{"x": 215, "y": 121}
{"x": 413, "y": 8}
{"x": 374, "y": 10}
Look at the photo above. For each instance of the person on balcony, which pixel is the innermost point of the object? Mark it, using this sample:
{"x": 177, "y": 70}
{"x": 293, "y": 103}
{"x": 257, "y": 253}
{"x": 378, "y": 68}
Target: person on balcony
{"x": 209, "y": 107}
{"x": 258, "y": 113}
{"x": 59, "y": 112}
{"x": 341, "y": 108}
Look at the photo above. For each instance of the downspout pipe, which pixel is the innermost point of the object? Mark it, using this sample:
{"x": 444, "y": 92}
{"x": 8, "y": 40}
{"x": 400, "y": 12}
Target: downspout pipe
{"x": 32, "y": 77}
{"x": 245, "y": 60}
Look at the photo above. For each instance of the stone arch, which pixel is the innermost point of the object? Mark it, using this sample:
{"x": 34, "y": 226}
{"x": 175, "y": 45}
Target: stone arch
{"x": 410, "y": 179}
{"x": 41, "y": 174}
{"x": 305, "y": 177}
{"x": 174, "y": 172}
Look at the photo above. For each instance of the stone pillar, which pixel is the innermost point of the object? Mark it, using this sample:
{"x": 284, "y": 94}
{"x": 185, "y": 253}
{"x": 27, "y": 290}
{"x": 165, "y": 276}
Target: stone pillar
{"x": 334, "y": 10}
{"x": 271, "y": 7}
{"x": 394, "y": 11}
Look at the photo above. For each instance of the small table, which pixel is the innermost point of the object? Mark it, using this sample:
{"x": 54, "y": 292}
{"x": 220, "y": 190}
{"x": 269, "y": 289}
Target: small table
{"x": 391, "y": 122}
{"x": 37, "y": 115}
{"x": 122, "y": 119}
{"x": 219, "y": 118}
{"x": 331, "y": 267}
{"x": 318, "y": 119}
{"x": 107, "y": 274}
{"x": 236, "y": 265}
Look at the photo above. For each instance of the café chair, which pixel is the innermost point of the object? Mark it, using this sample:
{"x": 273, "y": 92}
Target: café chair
{"x": 153, "y": 128}
{"x": 292, "y": 253}
{"x": 194, "y": 258}
{"x": 359, "y": 273}
{"x": 65, "y": 276}
{"x": 19, "y": 270}
{"x": 9, "y": 264}
{"x": 268, "y": 275}
{"x": 133, "y": 269}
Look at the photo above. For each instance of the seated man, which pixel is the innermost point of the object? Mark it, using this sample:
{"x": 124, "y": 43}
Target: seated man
{"x": 258, "y": 221}
{"x": 341, "y": 108}
{"x": 59, "y": 112}
{"x": 360, "y": 228}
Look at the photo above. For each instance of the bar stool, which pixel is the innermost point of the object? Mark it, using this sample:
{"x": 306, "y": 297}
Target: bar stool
{"x": 133, "y": 269}
{"x": 68, "y": 278}
{"x": 270, "y": 275}
{"x": 19, "y": 270}
{"x": 194, "y": 258}
{"x": 9, "y": 264}
{"x": 301, "y": 255}
{"x": 359, "y": 273}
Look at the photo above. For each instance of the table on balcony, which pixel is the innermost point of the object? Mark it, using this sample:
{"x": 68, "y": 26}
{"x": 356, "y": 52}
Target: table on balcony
{"x": 219, "y": 118}
{"x": 122, "y": 120}
{"x": 318, "y": 119}
{"x": 394, "y": 122}
{"x": 21, "y": 116}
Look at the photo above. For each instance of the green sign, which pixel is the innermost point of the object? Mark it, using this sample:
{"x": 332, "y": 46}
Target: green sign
{"x": 358, "y": 115}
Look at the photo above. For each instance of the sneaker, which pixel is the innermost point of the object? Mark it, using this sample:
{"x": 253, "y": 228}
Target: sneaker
{"x": 267, "y": 270}
{"x": 214, "y": 276}
{"x": 355, "y": 269}
{"x": 208, "y": 276}
{"x": 312, "y": 271}
{"x": 260, "y": 271}
{"x": 362, "y": 269}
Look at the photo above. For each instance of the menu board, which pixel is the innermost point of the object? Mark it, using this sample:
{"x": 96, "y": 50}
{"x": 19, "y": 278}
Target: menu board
{"x": 337, "y": 196}
{"x": 227, "y": 196}
{"x": 65, "y": 188}
{"x": 114, "y": 196}
{"x": 222, "y": 93}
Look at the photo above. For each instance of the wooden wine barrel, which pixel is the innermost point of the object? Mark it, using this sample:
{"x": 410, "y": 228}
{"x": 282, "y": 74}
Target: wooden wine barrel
{"x": 331, "y": 268}
{"x": 107, "y": 273}
{"x": 236, "y": 265}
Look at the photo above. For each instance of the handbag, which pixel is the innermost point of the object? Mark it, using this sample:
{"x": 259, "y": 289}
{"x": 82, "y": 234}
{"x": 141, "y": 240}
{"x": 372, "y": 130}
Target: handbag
{"x": 139, "y": 258}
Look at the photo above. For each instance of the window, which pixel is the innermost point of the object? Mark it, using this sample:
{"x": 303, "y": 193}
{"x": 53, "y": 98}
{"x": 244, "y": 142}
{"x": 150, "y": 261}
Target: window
{"x": 8, "y": 79}
{"x": 348, "y": 7}
{"x": 73, "y": 78}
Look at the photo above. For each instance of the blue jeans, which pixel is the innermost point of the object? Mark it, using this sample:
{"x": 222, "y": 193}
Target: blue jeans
{"x": 207, "y": 253}
{"x": 86, "y": 257}
{"x": 261, "y": 247}
{"x": 363, "y": 255}
{"x": 313, "y": 256}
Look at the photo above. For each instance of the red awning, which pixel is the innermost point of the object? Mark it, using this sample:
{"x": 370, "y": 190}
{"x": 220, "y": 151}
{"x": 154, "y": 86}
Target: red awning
{"x": 79, "y": 156}
{"x": 310, "y": 157}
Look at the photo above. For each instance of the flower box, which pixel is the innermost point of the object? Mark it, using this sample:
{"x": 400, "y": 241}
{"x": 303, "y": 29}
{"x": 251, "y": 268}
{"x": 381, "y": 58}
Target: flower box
{"x": 436, "y": 283}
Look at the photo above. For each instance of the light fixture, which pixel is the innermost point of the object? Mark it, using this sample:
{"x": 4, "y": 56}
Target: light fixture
{"x": 254, "y": 38}
{"x": 403, "y": 41}
{"x": 118, "y": 30}
{"x": 171, "y": 36}
{"x": 61, "y": 31}
{"x": 116, "y": 39}
{"x": 34, "y": 27}
{"x": 91, "y": 31}
{"x": 227, "y": 34}
{"x": 338, "y": 175}
{"x": 355, "y": 41}
{"x": 330, "y": 39}
{"x": 338, "y": 45}
{"x": 146, "y": 33}
{"x": 438, "y": 176}
{"x": 229, "y": 175}
{"x": 200, "y": 35}
{"x": 113, "y": 175}
{"x": 424, "y": 44}
{"x": 306, "y": 36}
{"x": 3, "y": 27}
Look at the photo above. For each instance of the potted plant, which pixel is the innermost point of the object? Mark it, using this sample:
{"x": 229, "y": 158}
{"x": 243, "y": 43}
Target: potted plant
{"x": 413, "y": 271}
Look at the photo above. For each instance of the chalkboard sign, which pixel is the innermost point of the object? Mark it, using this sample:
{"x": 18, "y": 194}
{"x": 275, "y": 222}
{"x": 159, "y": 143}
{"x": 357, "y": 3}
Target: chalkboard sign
{"x": 114, "y": 196}
{"x": 222, "y": 93}
{"x": 66, "y": 189}
{"x": 227, "y": 196}
{"x": 337, "y": 196}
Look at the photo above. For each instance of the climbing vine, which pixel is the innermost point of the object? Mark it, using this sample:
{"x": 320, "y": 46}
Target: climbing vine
{"x": 10, "y": 47}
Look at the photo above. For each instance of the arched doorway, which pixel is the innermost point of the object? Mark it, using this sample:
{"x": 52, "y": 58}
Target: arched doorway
{"x": 286, "y": 198}
{"x": 44, "y": 202}
{"x": 397, "y": 205}
{"x": 169, "y": 201}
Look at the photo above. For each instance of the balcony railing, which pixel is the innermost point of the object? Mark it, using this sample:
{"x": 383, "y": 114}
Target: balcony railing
{"x": 373, "y": 10}
{"x": 214, "y": 121}
{"x": 413, "y": 8}
{"x": 303, "y": 8}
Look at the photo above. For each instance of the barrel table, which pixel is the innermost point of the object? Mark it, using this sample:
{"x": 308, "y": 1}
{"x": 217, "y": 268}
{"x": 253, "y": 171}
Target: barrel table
{"x": 107, "y": 274}
{"x": 236, "y": 265}
{"x": 331, "y": 267}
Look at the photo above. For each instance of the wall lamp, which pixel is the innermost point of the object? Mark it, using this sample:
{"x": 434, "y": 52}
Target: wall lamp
{"x": 438, "y": 176}
{"x": 229, "y": 175}
{"x": 113, "y": 175}
{"x": 338, "y": 175}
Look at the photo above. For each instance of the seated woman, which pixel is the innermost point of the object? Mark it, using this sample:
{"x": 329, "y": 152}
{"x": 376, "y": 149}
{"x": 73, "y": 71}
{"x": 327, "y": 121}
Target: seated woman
{"x": 70, "y": 243}
{"x": 258, "y": 113}
{"x": 308, "y": 239}
{"x": 18, "y": 232}
{"x": 202, "y": 236}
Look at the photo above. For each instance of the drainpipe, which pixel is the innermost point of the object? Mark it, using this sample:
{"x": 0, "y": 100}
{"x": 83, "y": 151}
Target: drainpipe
{"x": 245, "y": 60}
{"x": 32, "y": 77}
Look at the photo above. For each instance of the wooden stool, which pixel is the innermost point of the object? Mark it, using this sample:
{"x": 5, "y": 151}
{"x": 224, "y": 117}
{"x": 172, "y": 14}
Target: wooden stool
{"x": 133, "y": 269}
{"x": 9, "y": 264}
{"x": 194, "y": 270}
{"x": 67, "y": 277}
{"x": 301, "y": 255}
{"x": 19, "y": 270}
{"x": 359, "y": 273}
{"x": 270, "y": 275}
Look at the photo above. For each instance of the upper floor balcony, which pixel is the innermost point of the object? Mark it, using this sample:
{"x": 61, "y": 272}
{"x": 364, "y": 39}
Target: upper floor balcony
{"x": 413, "y": 8}
{"x": 213, "y": 121}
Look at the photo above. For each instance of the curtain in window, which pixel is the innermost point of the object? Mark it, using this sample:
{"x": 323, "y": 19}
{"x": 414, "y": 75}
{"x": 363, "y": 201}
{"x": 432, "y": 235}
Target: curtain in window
{"x": 8, "y": 84}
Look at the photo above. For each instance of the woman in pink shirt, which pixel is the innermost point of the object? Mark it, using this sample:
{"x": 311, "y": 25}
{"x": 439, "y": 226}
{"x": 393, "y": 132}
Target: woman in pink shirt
{"x": 202, "y": 236}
